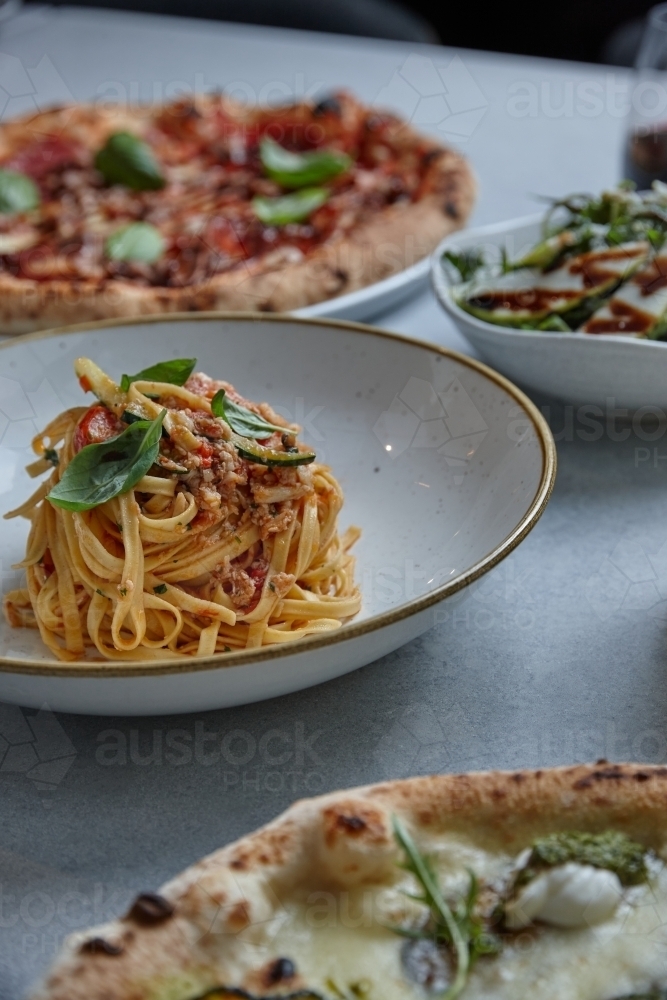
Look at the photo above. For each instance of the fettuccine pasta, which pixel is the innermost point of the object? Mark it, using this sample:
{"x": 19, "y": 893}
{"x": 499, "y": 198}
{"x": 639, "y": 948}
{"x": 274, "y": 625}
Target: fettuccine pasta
{"x": 227, "y": 541}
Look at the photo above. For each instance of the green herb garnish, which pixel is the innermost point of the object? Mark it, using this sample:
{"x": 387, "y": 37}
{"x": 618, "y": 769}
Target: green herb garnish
{"x": 176, "y": 372}
{"x": 102, "y": 471}
{"x": 138, "y": 241}
{"x": 51, "y": 455}
{"x": 299, "y": 170}
{"x": 18, "y": 193}
{"x": 240, "y": 418}
{"x": 290, "y": 207}
{"x": 457, "y": 926}
{"x": 160, "y": 589}
{"x": 125, "y": 159}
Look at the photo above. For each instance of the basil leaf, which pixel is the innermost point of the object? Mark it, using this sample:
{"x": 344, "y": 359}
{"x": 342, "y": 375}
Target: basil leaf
{"x": 125, "y": 159}
{"x": 299, "y": 170}
{"x": 136, "y": 241}
{"x": 175, "y": 372}
{"x": 100, "y": 472}
{"x": 290, "y": 207}
{"x": 18, "y": 193}
{"x": 242, "y": 420}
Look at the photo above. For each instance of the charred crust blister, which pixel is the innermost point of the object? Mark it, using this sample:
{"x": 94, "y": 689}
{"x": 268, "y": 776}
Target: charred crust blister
{"x": 328, "y": 106}
{"x": 352, "y": 824}
{"x": 100, "y": 946}
{"x": 150, "y": 908}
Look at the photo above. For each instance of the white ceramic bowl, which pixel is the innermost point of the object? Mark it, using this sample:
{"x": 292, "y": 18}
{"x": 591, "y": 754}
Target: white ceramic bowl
{"x": 605, "y": 371}
{"x": 446, "y": 466}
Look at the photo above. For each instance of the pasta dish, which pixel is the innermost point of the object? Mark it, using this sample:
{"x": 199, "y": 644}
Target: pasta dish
{"x": 178, "y": 519}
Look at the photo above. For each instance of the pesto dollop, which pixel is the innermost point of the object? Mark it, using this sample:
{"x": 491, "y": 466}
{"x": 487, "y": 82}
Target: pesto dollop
{"x": 611, "y": 850}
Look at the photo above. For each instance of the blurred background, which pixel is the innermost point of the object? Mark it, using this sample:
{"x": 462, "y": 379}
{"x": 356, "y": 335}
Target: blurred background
{"x": 586, "y": 30}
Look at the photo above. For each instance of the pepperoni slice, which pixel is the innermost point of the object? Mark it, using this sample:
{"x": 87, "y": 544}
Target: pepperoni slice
{"x": 96, "y": 425}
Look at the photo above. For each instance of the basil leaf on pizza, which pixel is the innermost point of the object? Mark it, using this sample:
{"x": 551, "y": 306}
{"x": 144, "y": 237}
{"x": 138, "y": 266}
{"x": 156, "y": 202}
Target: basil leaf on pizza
{"x": 289, "y": 208}
{"x": 18, "y": 193}
{"x": 100, "y": 472}
{"x": 176, "y": 371}
{"x": 299, "y": 170}
{"x": 138, "y": 241}
{"x": 241, "y": 419}
{"x": 127, "y": 160}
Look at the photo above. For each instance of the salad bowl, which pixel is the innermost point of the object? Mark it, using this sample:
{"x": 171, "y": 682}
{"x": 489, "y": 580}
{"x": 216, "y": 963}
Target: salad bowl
{"x": 605, "y": 371}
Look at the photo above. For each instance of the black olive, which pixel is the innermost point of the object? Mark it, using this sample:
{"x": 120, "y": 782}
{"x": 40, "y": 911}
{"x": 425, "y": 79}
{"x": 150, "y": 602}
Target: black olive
{"x": 427, "y": 964}
{"x": 282, "y": 968}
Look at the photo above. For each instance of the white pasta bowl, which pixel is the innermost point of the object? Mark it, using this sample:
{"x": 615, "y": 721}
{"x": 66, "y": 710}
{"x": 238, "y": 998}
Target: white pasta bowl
{"x": 446, "y": 467}
{"x": 606, "y": 371}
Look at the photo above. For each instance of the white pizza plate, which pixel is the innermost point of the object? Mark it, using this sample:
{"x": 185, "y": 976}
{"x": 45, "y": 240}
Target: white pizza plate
{"x": 601, "y": 370}
{"x": 368, "y": 302}
{"x": 446, "y": 467}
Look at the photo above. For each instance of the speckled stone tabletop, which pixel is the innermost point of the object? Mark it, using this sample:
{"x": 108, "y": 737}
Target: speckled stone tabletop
{"x": 557, "y": 655}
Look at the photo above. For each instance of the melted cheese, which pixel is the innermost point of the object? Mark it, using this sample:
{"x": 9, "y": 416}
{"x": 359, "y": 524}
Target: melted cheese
{"x": 342, "y": 937}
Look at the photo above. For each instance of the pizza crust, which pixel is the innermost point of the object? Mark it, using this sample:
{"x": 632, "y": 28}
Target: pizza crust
{"x": 391, "y": 240}
{"x": 224, "y": 902}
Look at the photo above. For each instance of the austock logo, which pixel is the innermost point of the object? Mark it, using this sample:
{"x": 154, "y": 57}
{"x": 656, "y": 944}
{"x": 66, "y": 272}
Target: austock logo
{"x": 632, "y": 578}
{"x": 446, "y": 421}
{"x": 420, "y": 741}
{"x": 36, "y": 746}
{"x": 429, "y": 94}
{"x": 24, "y": 90}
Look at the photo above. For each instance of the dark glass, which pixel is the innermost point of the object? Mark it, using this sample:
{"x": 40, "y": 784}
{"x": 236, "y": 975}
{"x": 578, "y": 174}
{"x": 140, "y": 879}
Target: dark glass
{"x": 645, "y": 157}
{"x": 645, "y": 153}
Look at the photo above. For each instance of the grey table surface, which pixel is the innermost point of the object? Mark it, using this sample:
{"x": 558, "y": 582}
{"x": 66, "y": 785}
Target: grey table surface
{"x": 558, "y": 655}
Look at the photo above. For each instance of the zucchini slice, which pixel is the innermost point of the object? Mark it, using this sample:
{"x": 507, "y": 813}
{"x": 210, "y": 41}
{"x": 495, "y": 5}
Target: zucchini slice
{"x": 638, "y": 308}
{"x": 528, "y": 296}
{"x": 255, "y": 452}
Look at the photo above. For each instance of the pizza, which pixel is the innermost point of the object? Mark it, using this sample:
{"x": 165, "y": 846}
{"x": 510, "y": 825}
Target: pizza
{"x": 204, "y": 204}
{"x": 507, "y": 885}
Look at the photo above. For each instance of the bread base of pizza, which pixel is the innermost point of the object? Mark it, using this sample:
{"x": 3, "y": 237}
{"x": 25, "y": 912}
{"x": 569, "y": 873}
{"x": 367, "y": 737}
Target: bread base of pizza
{"x": 528, "y": 884}
{"x": 204, "y": 204}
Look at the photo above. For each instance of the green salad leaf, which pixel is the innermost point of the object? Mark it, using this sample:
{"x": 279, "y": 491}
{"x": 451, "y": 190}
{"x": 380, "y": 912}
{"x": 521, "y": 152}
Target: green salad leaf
{"x": 128, "y": 160}
{"x": 241, "y": 419}
{"x": 466, "y": 262}
{"x": 288, "y": 208}
{"x": 176, "y": 371}
{"x": 300, "y": 170}
{"x": 18, "y": 193}
{"x": 102, "y": 471}
{"x": 659, "y": 993}
{"x": 138, "y": 241}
